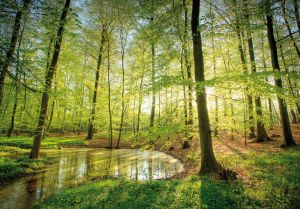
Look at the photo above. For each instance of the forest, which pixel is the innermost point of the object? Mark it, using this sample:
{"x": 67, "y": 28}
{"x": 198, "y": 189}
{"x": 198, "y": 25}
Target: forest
{"x": 149, "y": 104}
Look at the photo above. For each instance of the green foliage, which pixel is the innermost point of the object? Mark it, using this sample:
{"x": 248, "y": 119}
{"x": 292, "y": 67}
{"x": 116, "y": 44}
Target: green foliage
{"x": 9, "y": 169}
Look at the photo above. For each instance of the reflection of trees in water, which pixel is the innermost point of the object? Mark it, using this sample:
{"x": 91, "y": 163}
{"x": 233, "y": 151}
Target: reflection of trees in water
{"x": 31, "y": 189}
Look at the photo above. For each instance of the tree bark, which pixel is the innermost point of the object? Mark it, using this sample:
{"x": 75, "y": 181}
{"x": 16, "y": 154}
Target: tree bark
{"x": 187, "y": 64}
{"x": 13, "y": 43}
{"x": 97, "y": 76}
{"x": 152, "y": 114}
{"x": 123, "y": 44}
{"x": 285, "y": 123}
{"x": 48, "y": 82}
{"x": 14, "y": 112}
{"x": 209, "y": 163}
{"x": 110, "y": 144}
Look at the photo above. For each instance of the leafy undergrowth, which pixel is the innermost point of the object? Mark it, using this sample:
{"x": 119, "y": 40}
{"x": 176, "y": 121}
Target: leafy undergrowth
{"x": 268, "y": 181}
{"x": 49, "y": 142}
{"x": 14, "y": 162}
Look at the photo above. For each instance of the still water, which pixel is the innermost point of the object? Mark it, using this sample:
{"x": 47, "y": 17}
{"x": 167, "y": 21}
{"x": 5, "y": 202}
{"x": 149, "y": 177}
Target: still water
{"x": 77, "y": 166}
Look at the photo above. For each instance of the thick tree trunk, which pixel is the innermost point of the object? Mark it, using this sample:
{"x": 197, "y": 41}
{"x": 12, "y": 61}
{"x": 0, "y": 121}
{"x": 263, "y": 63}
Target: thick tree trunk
{"x": 261, "y": 133}
{"x": 97, "y": 76}
{"x": 13, "y": 43}
{"x": 209, "y": 163}
{"x": 287, "y": 133}
{"x": 48, "y": 82}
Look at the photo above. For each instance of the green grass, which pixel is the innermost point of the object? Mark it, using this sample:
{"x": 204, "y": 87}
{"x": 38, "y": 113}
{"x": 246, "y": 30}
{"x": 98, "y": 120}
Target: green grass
{"x": 14, "y": 162}
{"x": 270, "y": 181}
{"x": 49, "y": 142}
{"x": 14, "y": 152}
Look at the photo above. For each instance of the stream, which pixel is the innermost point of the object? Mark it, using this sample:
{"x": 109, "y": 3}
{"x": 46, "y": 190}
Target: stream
{"x": 79, "y": 166}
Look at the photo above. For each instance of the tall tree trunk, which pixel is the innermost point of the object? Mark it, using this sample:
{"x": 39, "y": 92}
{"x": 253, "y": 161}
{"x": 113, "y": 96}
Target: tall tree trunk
{"x": 285, "y": 123}
{"x": 123, "y": 45}
{"x": 289, "y": 27}
{"x": 209, "y": 163}
{"x": 97, "y": 76}
{"x": 185, "y": 143}
{"x": 152, "y": 114}
{"x": 261, "y": 133}
{"x": 244, "y": 63}
{"x": 13, "y": 43}
{"x": 110, "y": 144}
{"x": 189, "y": 75}
{"x": 271, "y": 117}
{"x": 14, "y": 112}
{"x": 187, "y": 64}
{"x": 48, "y": 82}
{"x": 214, "y": 71}
{"x": 288, "y": 80}
{"x": 140, "y": 103}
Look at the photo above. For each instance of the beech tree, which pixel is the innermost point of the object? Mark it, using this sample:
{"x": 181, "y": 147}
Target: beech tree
{"x": 48, "y": 83}
{"x": 209, "y": 163}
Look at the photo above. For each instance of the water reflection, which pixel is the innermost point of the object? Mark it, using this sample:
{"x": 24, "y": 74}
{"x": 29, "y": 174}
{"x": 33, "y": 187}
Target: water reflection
{"x": 77, "y": 166}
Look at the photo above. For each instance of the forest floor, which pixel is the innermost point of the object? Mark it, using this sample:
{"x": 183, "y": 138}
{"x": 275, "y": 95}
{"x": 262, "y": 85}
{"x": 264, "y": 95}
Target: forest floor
{"x": 267, "y": 176}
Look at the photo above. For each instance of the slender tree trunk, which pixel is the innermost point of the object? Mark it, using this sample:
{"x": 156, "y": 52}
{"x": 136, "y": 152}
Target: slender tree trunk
{"x": 187, "y": 64}
{"x": 244, "y": 63}
{"x": 97, "y": 76}
{"x": 14, "y": 112}
{"x": 185, "y": 143}
{"x": 110, "y": 145}
{"x": 123, "y": 45}
{"x": 289, "y": 27}
{"x": 140, "y": 103}
{"x": 13, "y": 116}
{"x": 48, "y": 82}
{"x": 271, "y": 117}
{"x": 289, "y": 82}
{"x": 189, "y": 75}
{"x": 287, "y": 133}
{"x": 152, "y": 114}
{"x": 13, "y": 43}
{"x": 261, "y": 133}
{"x": 209, "y": 163}
{"x": 216, "y": 133}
